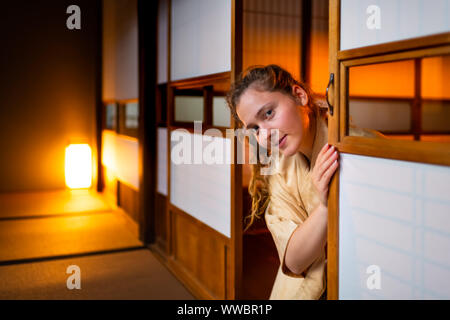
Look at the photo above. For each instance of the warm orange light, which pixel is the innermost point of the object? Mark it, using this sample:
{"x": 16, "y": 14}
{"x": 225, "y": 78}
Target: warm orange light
{"x": 78, "y": 166}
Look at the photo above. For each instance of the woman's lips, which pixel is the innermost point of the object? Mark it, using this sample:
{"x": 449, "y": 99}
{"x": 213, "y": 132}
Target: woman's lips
{"x": 282, "y": 142}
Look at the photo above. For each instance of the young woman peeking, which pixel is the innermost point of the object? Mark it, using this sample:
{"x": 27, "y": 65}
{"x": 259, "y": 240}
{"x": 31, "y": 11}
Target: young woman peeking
{"x": 293, "y": 199}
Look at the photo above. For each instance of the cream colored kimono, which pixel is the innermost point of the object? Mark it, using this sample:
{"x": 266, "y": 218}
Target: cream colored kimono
{"x": 292, "y": 198}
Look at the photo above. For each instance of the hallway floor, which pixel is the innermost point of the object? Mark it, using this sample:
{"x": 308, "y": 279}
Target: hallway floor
{"x": 43, "y": 233}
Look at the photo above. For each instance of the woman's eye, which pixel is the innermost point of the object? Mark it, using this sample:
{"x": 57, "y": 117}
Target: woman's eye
{"x": 269, "y": 113}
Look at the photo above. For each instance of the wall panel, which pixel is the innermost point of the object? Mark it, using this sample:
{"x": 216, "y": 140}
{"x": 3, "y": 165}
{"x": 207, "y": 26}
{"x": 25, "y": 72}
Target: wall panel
{"x": 201, "y": 252}
{"x": 200, "y": 189}
{"x": 200, "y": 38}
{"x": 272, "y": 34}
{"x": 49, "y": 77}
{"x": 120, "y": 155}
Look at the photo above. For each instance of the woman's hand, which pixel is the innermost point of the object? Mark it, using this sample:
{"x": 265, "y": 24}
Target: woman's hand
{"x": 324, "y": 168}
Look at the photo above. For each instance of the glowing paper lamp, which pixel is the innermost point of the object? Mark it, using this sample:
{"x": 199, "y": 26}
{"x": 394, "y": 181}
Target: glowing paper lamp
{"x": 78, "y": 166}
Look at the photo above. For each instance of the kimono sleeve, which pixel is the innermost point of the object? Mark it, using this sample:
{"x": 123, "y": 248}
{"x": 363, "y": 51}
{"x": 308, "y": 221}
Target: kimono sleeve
{"x": 281, "y": 227}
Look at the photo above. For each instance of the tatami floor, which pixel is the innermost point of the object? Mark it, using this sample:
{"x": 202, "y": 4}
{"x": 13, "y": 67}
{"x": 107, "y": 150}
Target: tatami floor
{"x": 43, "y": 233}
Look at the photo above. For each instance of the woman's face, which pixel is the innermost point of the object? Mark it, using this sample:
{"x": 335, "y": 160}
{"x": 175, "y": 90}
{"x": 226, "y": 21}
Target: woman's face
{"x": 276, "y": 110}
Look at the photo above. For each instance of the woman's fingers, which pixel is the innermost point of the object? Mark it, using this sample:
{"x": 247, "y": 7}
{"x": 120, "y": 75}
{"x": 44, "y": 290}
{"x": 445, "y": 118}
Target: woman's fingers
{"x": 322, "y": 152}
{"x": 325, "y": 166}
{"x": 324, "y": 148}
{"x": 329, "y": 172}
{"x": 328, "y": 158}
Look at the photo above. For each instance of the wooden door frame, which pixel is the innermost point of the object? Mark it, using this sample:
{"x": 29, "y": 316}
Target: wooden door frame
{"x": 233, "y": 245}
{"x": 237, "y": 13}
{"x": 333, "y": 138}
{"x": 339, "y": 64}
{"x": 99, "y": 104}
{"x": 147, "y": 130}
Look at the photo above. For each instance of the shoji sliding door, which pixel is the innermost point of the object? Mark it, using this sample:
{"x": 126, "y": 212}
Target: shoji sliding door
{"x": 389, "y": 219}
{"x": 119, "y": 132}
{"x": 197, "y": 223}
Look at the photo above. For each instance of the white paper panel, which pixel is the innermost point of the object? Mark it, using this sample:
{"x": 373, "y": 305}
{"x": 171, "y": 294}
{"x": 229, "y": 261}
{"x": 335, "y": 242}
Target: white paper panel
{"x": 394, "y": 215}
{"x": 120, "y": 50}
{"x": 132, "y": 115}
{"x": 188, "y": 108}
{"x": 109, "y": 149}
{"x": 202, "y": 190}
{"x": 221, "y": 112}
{"x": 120, "y": 155}
{"x": 163, "y": 15}
{"x": 162, "y": 161}
{"x": 200, "y": 38}
{"x": 398, "y": 20}
{"x": 111, "y": 117}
